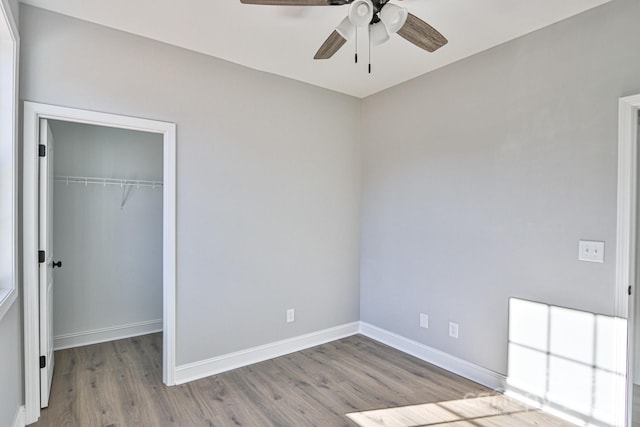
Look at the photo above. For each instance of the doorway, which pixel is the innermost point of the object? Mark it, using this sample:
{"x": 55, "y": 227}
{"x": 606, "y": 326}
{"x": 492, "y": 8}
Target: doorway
{"x": 107, "y": 233}
{"x": 36, "y": 117}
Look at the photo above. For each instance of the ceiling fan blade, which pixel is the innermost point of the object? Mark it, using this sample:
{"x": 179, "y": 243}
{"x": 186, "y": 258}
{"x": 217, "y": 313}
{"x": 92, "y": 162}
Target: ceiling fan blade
{"x": 295, "y": 2}
{"x": 422, "y": 34}
{"x": 331, "y": 45}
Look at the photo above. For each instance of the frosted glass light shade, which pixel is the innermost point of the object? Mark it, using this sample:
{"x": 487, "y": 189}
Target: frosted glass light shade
{"x": 361, "y": 12}
{"x": 393, "y": 17}
{"x": 378, "y": 34}
{"x": 346, "y": 29}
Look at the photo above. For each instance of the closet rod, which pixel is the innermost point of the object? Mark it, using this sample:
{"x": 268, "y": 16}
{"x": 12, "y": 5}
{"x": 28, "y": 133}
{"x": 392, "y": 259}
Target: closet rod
{"x": 86, "y": 180}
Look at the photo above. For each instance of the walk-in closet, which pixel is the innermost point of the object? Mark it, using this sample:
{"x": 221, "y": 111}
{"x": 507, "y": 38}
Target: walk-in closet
{"x": 107, "y": 233}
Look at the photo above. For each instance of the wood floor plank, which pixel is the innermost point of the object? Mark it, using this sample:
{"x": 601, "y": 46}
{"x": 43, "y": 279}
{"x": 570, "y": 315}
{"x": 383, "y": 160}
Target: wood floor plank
{"x": 119, "y": 384}
{"x": 336, "y": 399}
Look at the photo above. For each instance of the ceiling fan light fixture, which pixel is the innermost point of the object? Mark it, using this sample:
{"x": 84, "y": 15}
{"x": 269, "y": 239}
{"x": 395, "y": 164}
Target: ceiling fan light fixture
{"x": 361, "y": 12}
{"x": 393, "y": 17}
{"x": 378, "y": 33}
{"x": 346, "y": 29}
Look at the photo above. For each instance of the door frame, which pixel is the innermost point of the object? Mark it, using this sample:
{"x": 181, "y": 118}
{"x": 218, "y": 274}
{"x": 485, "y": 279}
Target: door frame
{"x": 33, "y": 112}
{"x": 626, "y": 238}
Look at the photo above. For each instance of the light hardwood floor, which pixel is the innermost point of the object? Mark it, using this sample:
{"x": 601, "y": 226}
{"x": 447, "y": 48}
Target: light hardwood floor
{"x": 337, "y": 384}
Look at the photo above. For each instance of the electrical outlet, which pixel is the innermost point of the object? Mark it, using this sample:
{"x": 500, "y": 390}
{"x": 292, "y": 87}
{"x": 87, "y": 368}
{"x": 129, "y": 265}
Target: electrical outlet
{"x": 453, "y": 330}
{"x": 291, "y": 315}
{"x": 592, "y": 251}
{"x": 424, "y": 320}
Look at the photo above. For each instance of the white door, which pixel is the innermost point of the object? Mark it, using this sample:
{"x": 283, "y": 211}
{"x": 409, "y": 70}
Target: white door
{"x": 46, "y": 261}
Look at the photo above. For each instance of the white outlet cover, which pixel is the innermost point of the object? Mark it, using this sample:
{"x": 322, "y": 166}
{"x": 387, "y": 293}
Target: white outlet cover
{"x": 291, "y": 315}
{"x": 590, "y": 250}
{"x": 453, "y": 330}
{"x": 424, "y": 320}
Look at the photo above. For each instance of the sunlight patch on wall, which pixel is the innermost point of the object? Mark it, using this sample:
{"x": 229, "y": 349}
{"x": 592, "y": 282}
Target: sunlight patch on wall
{"x": 568, "y": 360}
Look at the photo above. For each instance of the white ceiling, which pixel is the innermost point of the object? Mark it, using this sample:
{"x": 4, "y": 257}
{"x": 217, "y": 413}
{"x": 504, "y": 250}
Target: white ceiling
{"x": 283, "y": 39}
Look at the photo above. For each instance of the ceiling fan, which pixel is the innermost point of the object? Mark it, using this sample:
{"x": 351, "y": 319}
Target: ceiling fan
{"x": 382, "y": 19}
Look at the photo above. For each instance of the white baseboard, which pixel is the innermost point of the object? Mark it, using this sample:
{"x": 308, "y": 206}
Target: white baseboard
{"x": 19, "y": 419}
{"x": 78, "y": 339}
{"x": 227, "y": 362}
{"x": 466, "y": 369}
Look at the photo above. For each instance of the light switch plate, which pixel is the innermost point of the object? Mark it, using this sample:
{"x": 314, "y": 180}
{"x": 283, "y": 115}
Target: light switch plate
{"x": 590, "y": 250}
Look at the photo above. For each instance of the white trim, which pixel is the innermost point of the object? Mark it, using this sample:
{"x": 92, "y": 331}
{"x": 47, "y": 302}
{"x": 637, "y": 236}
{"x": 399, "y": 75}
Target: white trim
{"x": 484, "y": 376}
{"x": 238, "y": 359}
{"x": 628, "y": 108}
{"x": 30, "y": 267}
{"x": 18, "y": 419}
{"x": 11, "y": 20}
{"x": 627, "y": 183}
{"x": 112, "y": 333}
{"x": 33, "y": 112}
{"x": 169, "y": 255}
{"x": 7, "y": 298}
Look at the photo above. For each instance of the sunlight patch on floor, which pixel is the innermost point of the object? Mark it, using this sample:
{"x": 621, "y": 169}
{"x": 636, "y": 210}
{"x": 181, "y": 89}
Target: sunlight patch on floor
{"x": 433, "y": 414}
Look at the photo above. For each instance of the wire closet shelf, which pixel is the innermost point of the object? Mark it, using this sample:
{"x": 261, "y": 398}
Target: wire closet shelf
{"x": 121, "y": 182}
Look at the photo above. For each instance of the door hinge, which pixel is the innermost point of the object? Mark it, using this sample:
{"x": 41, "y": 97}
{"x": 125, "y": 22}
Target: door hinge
{"x": 41, "y": 257}
{"x": 43, "y": 362}
{"x": 42, "y": 150}
{"x": 629, "y": 290}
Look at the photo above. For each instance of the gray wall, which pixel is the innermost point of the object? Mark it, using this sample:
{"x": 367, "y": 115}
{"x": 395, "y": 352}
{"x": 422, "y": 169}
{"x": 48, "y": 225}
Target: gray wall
{"x": 481, "y": 177}
{"x": 11, "y": 395}
{"x": 112, "y": 257}
{"x": 268, "y": 177}
{"x": 11, "y": 384}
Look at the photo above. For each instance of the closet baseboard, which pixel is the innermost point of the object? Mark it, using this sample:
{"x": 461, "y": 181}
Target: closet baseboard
{"x": 18, "y": 419}
{"x": 79, "y": 339}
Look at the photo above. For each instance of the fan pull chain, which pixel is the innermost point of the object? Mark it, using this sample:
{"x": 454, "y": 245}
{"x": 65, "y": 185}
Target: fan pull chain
{"x": 356, "y": 45}
{"x": 369, "y": 49}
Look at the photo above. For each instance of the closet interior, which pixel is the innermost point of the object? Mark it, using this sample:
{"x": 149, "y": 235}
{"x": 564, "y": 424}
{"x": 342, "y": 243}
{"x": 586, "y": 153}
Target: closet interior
{"x": 107, "y": 231}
